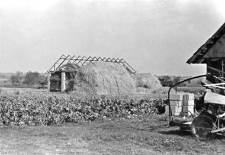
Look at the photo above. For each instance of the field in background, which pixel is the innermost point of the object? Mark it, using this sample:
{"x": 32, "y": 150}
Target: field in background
{"x": 160, "y": 94}
{"x": 35, "y": 91}
{"x": 5, "y": 79}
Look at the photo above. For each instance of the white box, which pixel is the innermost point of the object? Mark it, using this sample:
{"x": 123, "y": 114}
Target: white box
{"x": 176, "y": 97}
{"x": 189, "y": 96}
{"x": 176, "y": 110}
{"x": 188, "y": 103}
{"x": 175, "y": 103}
{"x": 187, "y": 111}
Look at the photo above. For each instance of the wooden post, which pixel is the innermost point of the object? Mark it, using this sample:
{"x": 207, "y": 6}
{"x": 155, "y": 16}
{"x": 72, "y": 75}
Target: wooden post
{"x": 49, "y": 81}
{"x": 222, "y": 68}
{"x": 63, "y": 81}
{"x": 221, "y": 90}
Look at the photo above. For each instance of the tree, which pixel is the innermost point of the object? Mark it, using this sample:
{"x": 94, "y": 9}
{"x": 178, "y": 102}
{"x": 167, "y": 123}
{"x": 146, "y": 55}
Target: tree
{"x": 167, "y": 80}
{"x": 17, "y": 78}
{"x": 31, "y": 78}
{"x": 42, "y": 80}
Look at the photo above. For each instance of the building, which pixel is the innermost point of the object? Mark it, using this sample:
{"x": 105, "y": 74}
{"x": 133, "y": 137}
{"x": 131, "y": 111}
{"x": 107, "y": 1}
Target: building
{"x": 212, "y": 53}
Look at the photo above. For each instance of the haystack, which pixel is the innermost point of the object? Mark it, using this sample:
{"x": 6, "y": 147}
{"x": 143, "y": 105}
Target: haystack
{"x": 103, "y": 78}
{"x": 108, "y": 78}
{"x": 146, "y": 82}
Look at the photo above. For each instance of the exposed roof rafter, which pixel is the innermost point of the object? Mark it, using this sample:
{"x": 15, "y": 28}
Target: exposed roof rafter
{"x": 80, "y": 61}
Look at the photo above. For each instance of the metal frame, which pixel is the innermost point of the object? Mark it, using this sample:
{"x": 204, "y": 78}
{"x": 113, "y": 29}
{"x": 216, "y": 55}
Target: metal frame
{"x": 84, "y": 60}
{"x": 170, "y": 112}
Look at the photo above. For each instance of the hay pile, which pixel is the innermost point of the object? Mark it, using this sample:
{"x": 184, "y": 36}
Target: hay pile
{"x": 108, "y": 78}
{"x": 146, "y": 83}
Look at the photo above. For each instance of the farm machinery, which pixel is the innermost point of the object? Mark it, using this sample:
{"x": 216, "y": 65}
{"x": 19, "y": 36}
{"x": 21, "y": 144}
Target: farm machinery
{"x": 208, "y": 115}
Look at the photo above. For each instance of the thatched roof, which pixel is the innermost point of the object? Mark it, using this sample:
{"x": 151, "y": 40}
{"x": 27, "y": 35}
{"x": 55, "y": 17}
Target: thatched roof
{"x": 213, "y": 48}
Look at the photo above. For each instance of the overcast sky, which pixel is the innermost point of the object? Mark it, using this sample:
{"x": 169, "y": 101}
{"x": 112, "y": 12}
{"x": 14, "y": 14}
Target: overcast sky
{"x": 156, "y": 36}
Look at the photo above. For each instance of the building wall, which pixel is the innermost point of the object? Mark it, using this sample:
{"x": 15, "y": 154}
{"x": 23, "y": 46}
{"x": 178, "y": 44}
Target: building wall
{"x": 215, "y": 67}
{"x": 217, "y": 50}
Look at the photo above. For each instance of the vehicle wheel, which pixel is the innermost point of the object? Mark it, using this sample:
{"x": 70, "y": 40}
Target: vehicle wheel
{"x": 201, "y": 127}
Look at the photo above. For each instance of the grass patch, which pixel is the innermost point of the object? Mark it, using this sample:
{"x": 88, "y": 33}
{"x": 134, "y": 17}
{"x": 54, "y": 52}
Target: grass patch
{"x": 146, "y": 135}
{"x": 194, "y": 90}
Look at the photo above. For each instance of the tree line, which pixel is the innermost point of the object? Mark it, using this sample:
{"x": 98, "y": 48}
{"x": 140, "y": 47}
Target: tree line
{"x": 167, "y": 80}
{"x": 28, "y": 79}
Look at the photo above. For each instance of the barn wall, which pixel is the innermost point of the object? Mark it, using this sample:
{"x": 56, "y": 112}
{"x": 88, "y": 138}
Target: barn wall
{"x": 217, "y": 50}
{"x": 215, "y": 67}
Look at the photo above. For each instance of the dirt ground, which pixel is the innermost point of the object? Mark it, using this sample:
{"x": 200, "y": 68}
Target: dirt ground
{"x": 140, "y": 136}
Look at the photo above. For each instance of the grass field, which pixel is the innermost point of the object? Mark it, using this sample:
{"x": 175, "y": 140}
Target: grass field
{"x": 20, "y": 91}
{"x": 141, "y": 136}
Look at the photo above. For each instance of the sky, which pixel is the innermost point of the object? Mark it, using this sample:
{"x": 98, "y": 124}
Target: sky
{"x": 156, "y": 36}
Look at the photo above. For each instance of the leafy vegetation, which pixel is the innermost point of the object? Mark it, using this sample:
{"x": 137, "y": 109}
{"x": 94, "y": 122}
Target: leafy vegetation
{"x": 39, "y": 122}
{"x": 16, "y": 79}
{"x": 48, "y": 110}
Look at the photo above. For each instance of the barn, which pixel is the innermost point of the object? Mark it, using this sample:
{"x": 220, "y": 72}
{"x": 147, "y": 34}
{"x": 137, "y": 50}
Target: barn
{"x": 212, "y": 53}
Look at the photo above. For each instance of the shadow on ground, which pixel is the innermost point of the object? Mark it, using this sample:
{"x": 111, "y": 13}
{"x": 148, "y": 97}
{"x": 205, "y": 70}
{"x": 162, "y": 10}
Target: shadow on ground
{"x": 149, "y": 128}
{"x": 176, "y": 132}
{"x": 187, "y": 134}
{"x": 146, "y": 127}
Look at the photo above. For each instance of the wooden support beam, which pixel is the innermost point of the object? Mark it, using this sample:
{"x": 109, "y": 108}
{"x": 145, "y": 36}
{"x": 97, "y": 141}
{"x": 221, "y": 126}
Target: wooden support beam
{"x": 49, "y": 82}
{"x": 215, "y": 69}
{"x": 63, "y": 81}
{"x": 222, "y": 64}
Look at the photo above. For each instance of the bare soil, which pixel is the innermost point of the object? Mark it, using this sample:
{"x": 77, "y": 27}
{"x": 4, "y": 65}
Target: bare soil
{"x": 141, "y": 136}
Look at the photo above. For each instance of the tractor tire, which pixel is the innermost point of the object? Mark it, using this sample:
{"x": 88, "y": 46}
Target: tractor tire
{"x": 201, "y": 127}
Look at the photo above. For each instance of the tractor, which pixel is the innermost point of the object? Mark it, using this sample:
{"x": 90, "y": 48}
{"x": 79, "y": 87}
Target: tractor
{"x": 208, "y": 118}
